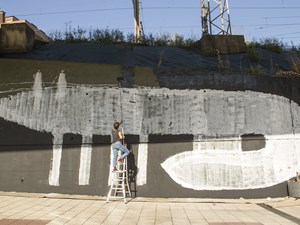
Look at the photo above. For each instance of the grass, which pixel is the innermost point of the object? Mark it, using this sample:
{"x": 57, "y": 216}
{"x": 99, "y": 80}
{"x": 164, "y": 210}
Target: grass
{"x": 116, "y": 36}
{"x": 294, "y": 58}
{"x": 295, "y": 62}
{"x": 258, "y": 70}
{"x": 253, "y": 57}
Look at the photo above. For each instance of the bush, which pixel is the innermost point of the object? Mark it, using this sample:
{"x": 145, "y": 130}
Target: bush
{"x": 271, "y": 44}
{"x": 258, "y": 70}
{"x": 253, "y": 57}
{"x": 107, "y": 36}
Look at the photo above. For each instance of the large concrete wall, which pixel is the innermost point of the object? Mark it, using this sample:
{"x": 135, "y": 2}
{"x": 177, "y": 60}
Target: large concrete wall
{"x": 220, "y": 139}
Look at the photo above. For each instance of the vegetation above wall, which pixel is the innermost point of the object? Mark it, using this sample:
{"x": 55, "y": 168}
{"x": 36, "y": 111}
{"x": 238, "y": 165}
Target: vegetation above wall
{"x": 116, "y": 36}
{"x": 164, "y": 54}
{"x": 256, "y": 56}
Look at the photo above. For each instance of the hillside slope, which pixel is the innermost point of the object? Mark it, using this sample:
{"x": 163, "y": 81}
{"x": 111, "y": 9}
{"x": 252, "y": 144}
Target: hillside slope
{"x": 260, "y": 61}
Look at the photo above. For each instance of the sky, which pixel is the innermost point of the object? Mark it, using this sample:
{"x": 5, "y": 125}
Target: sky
{"x": 255, "y": 19}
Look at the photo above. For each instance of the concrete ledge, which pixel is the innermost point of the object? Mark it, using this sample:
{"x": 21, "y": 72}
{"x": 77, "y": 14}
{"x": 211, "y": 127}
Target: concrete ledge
{"x": 224, "y": 44}
{"x": 273, "y": 202}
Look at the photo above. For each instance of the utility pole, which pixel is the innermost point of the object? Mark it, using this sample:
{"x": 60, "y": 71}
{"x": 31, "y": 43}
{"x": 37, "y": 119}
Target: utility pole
{"x": 217, "y": 14}
{"x": 138, "y": 27}
{"x": 204, "y": 13}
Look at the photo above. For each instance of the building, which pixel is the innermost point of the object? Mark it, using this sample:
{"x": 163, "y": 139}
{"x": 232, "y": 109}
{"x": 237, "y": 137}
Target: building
{"x": 19, "y": 35}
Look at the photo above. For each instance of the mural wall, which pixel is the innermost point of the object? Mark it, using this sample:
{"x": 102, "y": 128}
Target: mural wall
{"x": 185, "y": 143}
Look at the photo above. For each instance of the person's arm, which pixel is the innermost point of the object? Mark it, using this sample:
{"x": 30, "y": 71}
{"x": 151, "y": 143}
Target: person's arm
{"x": 120, "y": 135}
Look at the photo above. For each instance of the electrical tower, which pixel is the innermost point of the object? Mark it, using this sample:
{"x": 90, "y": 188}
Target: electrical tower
{"x": 138, "y": 26}
{"x": 215, "y": 17}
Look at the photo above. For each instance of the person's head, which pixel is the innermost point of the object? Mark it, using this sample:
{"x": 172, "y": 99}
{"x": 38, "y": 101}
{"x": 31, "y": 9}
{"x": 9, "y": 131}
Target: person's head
{"x": 116, "y": 125}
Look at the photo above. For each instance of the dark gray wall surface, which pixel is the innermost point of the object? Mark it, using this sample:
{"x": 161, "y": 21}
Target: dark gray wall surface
{"x": 25, "y": 168}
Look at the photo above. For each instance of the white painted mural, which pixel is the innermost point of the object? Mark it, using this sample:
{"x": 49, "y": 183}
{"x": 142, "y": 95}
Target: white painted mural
{"x": 206, "y": 114}
{"x": 226, "y": 169}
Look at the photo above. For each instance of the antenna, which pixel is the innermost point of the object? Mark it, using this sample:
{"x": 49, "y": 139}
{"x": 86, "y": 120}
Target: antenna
{"x": 217, "y": 12}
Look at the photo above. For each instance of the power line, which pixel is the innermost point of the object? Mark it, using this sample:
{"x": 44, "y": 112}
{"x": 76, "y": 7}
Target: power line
{"x": 264, "y": 8}
{"x": 75, "y": 11}
{"x": 287, "y": 37}
{"x": 104, "y": 9}
{"x": 263, "y": 26}
{"x": 147, "y": 8}
{"x": 288, "y": 33}
{"x": 279, "y": 17}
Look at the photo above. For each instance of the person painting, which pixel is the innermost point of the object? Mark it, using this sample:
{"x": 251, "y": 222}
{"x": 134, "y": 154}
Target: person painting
{"x": 117, "y": 138}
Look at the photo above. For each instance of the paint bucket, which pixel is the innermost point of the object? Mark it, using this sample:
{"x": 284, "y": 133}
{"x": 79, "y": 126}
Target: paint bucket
{"x": 294, "y": 189}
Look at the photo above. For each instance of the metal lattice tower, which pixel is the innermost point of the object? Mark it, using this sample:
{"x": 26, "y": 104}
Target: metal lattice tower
{"x": 215, "y": 17}
{"x": 138, "y": 26}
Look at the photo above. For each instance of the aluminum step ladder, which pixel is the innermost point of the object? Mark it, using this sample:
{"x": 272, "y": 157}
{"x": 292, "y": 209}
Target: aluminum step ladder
{"x": 119, "y": 187}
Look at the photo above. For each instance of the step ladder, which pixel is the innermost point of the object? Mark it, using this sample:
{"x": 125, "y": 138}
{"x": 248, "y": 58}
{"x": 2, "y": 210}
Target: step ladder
{"x": 119, "y": 183}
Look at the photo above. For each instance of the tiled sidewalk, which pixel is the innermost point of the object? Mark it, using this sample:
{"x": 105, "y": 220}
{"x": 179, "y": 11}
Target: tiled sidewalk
{"x": 36, "y": 210}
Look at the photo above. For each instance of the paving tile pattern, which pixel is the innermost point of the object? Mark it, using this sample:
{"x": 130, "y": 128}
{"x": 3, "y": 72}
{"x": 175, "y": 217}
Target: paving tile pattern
{"x": 23, "y": 222}
{"x": 39, "y": 211}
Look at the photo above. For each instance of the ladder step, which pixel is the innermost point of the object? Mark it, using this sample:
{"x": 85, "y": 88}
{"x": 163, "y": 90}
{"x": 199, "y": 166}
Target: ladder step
{"x": 117, "y": 188}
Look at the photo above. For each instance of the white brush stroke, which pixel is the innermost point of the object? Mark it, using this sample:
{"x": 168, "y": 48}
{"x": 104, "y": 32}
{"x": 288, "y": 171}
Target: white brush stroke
{"x": 85, "y": 161}
{"x": 142, "y": 161}
{"x": 56, "y": 160}
{"x": 232, "y": 170}
{"x": 212, "y": 144}
{"x": 82, "y": 109}
{"x": 110, "y": 176}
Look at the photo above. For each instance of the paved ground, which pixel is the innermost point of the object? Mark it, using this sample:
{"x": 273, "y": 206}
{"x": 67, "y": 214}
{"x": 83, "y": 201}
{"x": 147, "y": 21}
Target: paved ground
{"x": 38, "y": 209}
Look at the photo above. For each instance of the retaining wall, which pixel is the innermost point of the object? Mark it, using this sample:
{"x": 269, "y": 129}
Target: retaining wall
{"x": 227, "y": 136}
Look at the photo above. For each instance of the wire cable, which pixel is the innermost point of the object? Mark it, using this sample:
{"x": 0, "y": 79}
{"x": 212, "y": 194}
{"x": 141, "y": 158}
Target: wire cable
{"x": 148, "y": 8}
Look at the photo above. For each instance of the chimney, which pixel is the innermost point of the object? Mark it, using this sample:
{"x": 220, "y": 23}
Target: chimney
{"x": 2, "y": 16}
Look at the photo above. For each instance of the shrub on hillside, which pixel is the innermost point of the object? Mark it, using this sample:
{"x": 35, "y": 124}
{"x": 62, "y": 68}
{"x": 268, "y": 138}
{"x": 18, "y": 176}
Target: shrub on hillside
{"x": 271, "y": 44}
